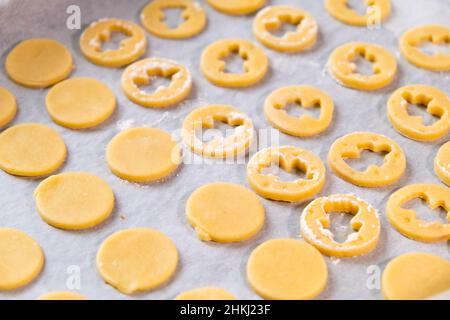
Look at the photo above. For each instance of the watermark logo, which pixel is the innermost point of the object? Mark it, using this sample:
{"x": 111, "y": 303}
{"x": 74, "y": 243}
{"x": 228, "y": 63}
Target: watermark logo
{"x": 73, "y": 281}
{"x": 373, "y": 14}
{"x": 373, "y": 281}
{"x": 73, "y": 21}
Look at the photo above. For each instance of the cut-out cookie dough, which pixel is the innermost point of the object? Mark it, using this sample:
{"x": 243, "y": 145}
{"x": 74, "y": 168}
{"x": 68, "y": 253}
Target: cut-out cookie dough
{"x": 406, "y": 221}
{"x": 138, "y": 259}
{"x": 411, "y": 41}
{"x": 39, "y": 63}
{"x": 62, "y": 295}
{"x": 344, "y": 70}
{"x": 350, "y": 147}
{"x": 442, "y": 163}
{"x": 289, "y": 159}
{"x": 8, "y": 107}
{"x": 31, "y": 150}
{"x": 225, "y": 212}
{"x": 287, "y": 269}
{"x": 74, "y": 200}
{"x": 194, "y": 18}
{"x": 94, "y": 37}
{"x": 308, "y": 97}
{"x": 272, "y": 18}
{"x": 143, "y": 72}
{"x": 315, "y": 224}
{"x": 377, "y": 11}
{"x": 237, "y": 7}
{"x": 207, "y": 293}
{"x": 415, "y": 276}
{"x": 436, "y": 102}
{"x": 80, "y": 103}
{"x": 21, "y": 259}
{"x": 218, "y": 146}
{"x": 143, "y": 154}
{"x": 213, "y": 65}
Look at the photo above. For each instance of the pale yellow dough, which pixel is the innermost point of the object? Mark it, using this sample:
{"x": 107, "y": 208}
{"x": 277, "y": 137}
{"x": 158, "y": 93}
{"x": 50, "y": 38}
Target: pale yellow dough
{"x": 39, "y": 63}
{"x": 8, "y": 107}
{"x": 138, "y": 259}
{"x": 31, "y": 150}
{"x": 415, "y": 276}
{"x": 21, "y": 259}
{"x": 62, "y": 295}
{"x": 207, "y": 293}
{"x": 237, "y": 7}
{"x": 442, "y": 163}
{"x": 143, "y": 154}
{"x": 80, "y": 103}
{"x": 74, "y": 200}
{"x": 225, "y": 212}
{"x": 287, "y": 269}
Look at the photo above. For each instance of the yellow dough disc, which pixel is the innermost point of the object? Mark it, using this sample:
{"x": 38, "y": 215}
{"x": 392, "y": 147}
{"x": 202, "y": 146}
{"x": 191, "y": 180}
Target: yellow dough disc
{"x": 436, "y": 102}
{"x": 207, "y": 293}
{"x": 39, "y": 63}
{"x": 377, "y": 11}
{"x": 308, "y": 97}
{"x": 62, "y": 295}
{"x": 100, "y": 32}
{"x": 194, "y": 18}
{"x": 415, "y": 276}
{"x": 80, "y": 103}
{"x": 289, "y": 159}
{"x": 218, "y": 146}
{"x": 138, "y": 259}
{"x": 225, "y": 212}
{"x": 143, "y": 72}
{"x": 315, "y": 225}
{"x": 213, "y": 64}
{"x": 406, "y": 221}
{"x": 272, "y": 18}
{"x": 411, "y": 41}
{"x": 237, "y": 7}
{"x": 31, "y": 150}
{"x": 342, "y": 66}
{"x": 442, "y": 163}
{"x": 287, "y": 269}
{"x": 74, "y": 200}
{"x": 8, "y": 107}
{"x": 350, "y": 147}
{"x": 21, "y": 259}
{"x": 143, "y": 154}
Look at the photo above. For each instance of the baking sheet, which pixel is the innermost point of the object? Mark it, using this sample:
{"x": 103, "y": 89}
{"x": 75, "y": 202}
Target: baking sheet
{"x": 161, "y": 205}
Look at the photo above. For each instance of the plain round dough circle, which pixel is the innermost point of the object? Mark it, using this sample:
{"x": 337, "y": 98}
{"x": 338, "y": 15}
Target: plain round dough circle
{"x": 137, "y": 259}
{"x": 74, "y": 200}
{"x": 80, "y": 103}
{"x": 62, "y": 295}
{"x": 206, "y": 293}
{"x": 225, "y": 212}
{"x": 31, "y": 150}
{"x": 8, "y": 107}
{"x": 414, "y": 276}
{"x": 237, "y": 7}
{"x": 21, "y": 259}
{"x": 143, "y": 154}
{"x": 287, "y": 269}
{"x": 39, "y": 63}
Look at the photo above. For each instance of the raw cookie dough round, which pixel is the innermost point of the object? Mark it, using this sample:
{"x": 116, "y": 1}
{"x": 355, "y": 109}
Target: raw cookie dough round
{"x": 62, "y": 295}
{"x": 8, "y": 107}
{"x": 442, "y": 163}
{"x": 207, "y": 293}
{"x": 272, "y": 18}
{"x": 143, "y": 154}
{"x": 377, "y": 11}
{"x": 80, "y": 103}
{"x": 414, "y": 276}
{"x": 39, "y": 63}
{"x": 21, "y": 259}
{"x": 287, "y": 269}
{"x": 138, "y": 259}
{"x": 74, "y": 200}
{"x": 31, "y": 150}
{"x": 225, "y": 212}
{"x": 236, "y": 7}
{"x": 194, "y": 18}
